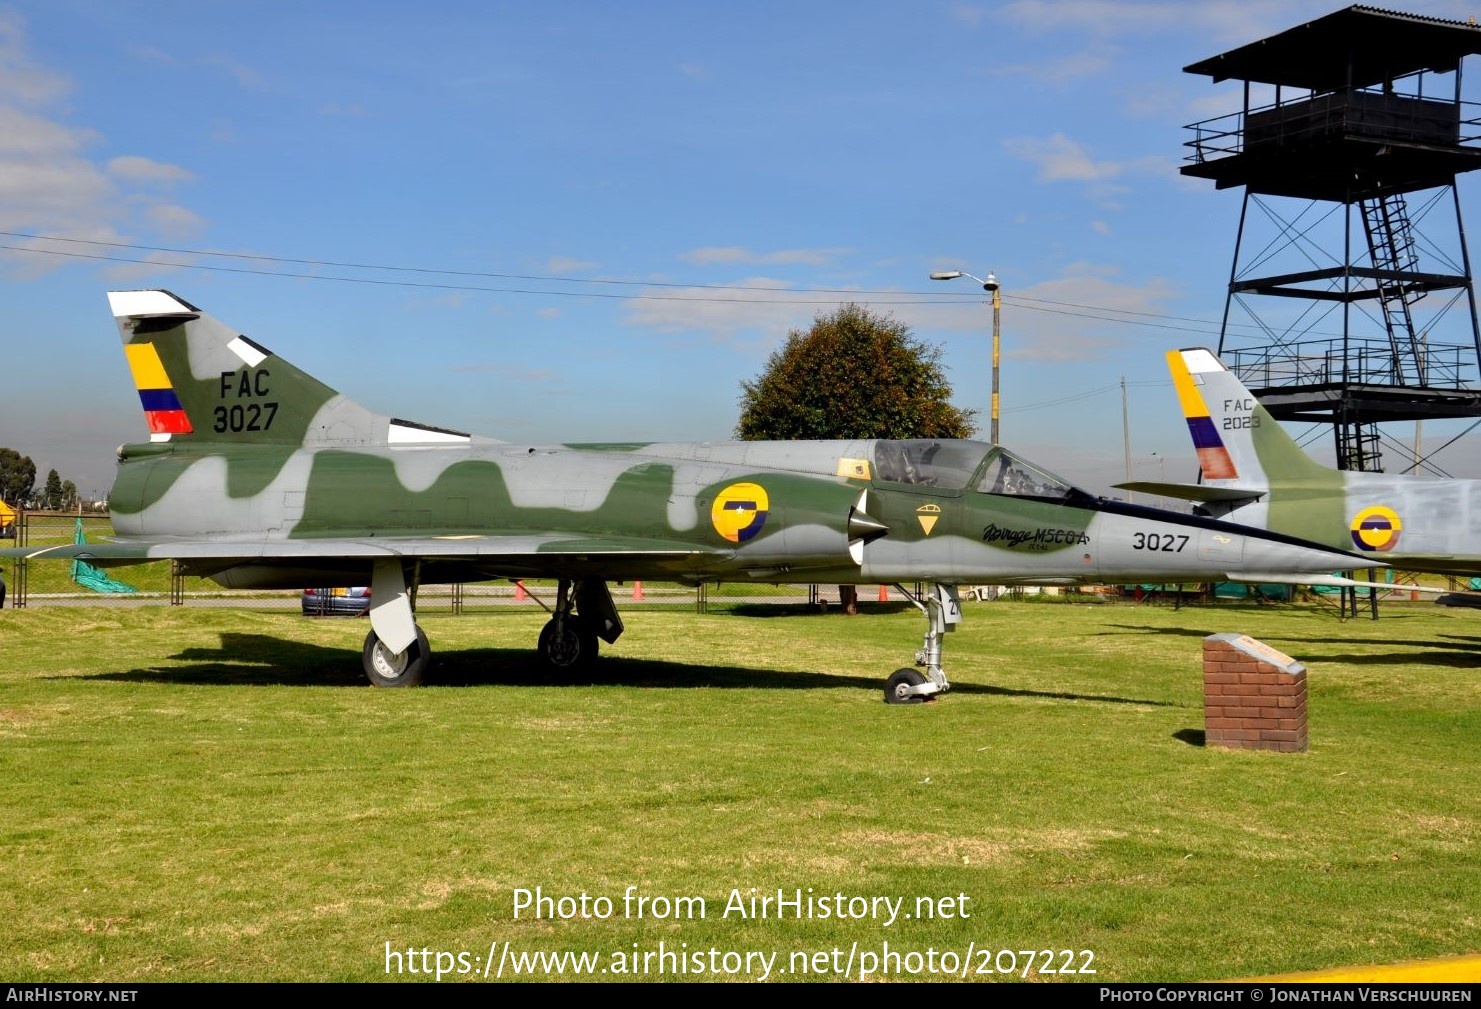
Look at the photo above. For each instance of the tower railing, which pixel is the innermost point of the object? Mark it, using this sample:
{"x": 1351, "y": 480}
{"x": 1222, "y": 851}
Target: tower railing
{"x": 1363, "y": 361}
{"x": 1373, "y": 114}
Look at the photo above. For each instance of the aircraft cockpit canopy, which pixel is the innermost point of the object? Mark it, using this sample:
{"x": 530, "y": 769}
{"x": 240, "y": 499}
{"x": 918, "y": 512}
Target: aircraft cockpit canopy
{"x": 948, "y": 465}
{"x": 1008, "y": 474}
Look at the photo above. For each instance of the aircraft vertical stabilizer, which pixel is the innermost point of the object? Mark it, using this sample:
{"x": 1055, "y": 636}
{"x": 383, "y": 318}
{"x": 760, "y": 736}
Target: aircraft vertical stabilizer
{"x": 199, "y": 381}
{"x": 1239, "y": 444}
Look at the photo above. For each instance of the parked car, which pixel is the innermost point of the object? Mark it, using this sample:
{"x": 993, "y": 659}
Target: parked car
{"x": 340, "y": 602}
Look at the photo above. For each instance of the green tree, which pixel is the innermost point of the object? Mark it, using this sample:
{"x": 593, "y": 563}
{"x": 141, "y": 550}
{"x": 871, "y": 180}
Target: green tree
{"x": 69, "y": 496}
{"x": 51, "y": 497}
{"x": 854, "y": 374}
{"x": 17, "y": 476}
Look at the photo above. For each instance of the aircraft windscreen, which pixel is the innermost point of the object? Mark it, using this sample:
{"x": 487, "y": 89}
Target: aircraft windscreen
{"x": 1010, "y": 475}
{"x": 945, "y": 464}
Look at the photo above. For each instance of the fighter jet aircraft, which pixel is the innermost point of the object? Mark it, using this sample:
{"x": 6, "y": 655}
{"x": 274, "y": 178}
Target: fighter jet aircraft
{"x": 259, "y": 476}
{"x": 1255, "y": 474}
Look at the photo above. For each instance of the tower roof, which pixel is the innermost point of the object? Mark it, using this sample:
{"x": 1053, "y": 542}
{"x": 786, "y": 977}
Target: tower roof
{"x": 1374, "y": 45}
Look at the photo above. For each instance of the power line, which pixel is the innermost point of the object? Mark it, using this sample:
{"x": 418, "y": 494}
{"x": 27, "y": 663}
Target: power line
{"x": 775, "y": 296}
{"x": 1099, "y": 313}
{"x": 456, "y": 287}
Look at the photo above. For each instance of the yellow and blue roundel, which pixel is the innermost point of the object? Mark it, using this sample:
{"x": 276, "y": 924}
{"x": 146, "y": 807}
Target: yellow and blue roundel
{"x": 740, "y": 511}
{"x": 1376, "y": 528}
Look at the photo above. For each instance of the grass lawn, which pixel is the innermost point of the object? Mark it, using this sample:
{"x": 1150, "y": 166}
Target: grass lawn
{"x": 210, "y": 794}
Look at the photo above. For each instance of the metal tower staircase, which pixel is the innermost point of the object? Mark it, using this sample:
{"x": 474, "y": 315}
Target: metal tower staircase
{"x": 1391, "y": 247}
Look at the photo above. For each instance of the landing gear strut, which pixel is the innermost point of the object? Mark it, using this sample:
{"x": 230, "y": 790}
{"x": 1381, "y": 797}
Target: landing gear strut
{"x": 583, "y": 612}
{"x": 396, "y": 653}
{"x": 943, "y": 610}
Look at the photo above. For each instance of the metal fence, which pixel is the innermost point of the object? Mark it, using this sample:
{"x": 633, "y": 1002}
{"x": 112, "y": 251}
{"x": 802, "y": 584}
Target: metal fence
{"x": 53, "y": 583}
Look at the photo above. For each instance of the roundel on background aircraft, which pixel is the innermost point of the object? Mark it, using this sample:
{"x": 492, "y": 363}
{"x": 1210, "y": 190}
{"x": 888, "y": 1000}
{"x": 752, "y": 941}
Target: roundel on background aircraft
{"x": 1376, "y": 528}
{"x": 740, "y": 511}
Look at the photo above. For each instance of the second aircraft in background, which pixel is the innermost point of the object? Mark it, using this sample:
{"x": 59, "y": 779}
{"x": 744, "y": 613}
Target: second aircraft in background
{"x": 1255, "y": 474}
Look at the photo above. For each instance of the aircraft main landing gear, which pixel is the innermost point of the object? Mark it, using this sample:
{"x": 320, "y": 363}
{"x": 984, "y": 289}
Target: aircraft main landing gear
{"x": 943, "y": 610}
{"x": 406, "y": 668}
{"x": 583, "y": 613}
{"x": 404, "y": 662}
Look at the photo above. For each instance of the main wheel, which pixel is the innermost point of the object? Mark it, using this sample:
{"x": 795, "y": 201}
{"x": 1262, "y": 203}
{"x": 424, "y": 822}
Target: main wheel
{"x": 574, "y": 647}
{"x": 385, "y": 668}
{"x": 897, "y": 687}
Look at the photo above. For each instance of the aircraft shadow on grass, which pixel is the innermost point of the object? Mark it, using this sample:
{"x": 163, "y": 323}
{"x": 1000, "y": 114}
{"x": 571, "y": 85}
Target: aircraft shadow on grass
{"x": 279, "y": 662}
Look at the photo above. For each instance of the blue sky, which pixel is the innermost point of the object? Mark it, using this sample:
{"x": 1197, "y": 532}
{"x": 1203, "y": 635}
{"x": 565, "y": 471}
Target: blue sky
{"x": 620, "y": 161}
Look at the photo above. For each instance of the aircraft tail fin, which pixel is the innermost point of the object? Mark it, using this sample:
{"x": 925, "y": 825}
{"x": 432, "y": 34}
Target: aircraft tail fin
{"x": 1239, "y": 444}
{"x": 200, "y": 381}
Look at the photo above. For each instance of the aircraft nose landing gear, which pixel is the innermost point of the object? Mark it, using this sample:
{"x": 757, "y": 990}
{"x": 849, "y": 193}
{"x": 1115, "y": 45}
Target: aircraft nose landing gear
{"x": 943, "y": 610}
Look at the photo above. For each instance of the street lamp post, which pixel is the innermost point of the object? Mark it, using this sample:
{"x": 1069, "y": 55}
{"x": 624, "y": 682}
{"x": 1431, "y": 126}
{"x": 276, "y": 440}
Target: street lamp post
{"x": 990, "y": 284}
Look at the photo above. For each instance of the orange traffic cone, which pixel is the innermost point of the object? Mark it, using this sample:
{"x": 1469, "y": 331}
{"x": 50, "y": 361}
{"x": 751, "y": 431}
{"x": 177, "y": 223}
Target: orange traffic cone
{"x": 638, "y": 590}
{"x": 519, "y": 591}
{"x": 884, "y": 594}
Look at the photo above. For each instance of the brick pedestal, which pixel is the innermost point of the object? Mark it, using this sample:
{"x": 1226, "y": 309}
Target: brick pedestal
{"x": 1254, "y": 697}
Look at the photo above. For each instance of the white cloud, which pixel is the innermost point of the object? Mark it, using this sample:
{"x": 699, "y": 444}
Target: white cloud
{"x": 21, "y": 80}
{"x": 771, "y": 311}
{"x": 1220, "y": 22}
{"x": 152, "y": 54}
{"x": 569, "y": 264}
{"x": 1061, "y": 69}
{"x": 133, "y": 168}
{"x": 1223, "y": 102}
{"x": 50, "y": 184}
{"x": 1061, "y": 159}
{"x": 44, "y": 179}
{"x": 150, "y": 265}
{"x": 969, "y": 14}
{"x": 1100, "y": 227}
{"x": 247, "y": 79}
{"x": 782, "y": 257}
{"x": 23, "y": 135}
{"x": 174, "y": 221}
{"x": 1045, "y": 321}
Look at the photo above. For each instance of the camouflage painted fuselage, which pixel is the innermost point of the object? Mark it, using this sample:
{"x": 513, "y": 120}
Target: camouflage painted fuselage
{"x": 685, "y": 512}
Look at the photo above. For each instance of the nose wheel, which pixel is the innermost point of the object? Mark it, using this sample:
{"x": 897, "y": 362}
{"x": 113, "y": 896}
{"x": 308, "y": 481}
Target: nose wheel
{"x": 943, "y": 611}
{"x": 900, "y": 688}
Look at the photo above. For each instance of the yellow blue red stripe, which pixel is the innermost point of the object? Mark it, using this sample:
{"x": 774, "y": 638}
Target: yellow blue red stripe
{"x": 162, "y": 408}
{"x": 1213, "y": 455}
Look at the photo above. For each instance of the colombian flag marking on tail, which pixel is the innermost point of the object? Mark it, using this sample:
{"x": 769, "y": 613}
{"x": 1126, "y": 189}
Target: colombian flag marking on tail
{"x": 162, "y": 407}
{"x": 1213, "y": 456}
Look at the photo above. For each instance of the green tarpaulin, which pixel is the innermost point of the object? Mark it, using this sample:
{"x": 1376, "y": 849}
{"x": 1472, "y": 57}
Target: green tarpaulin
{"x": 89, "y": 577}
